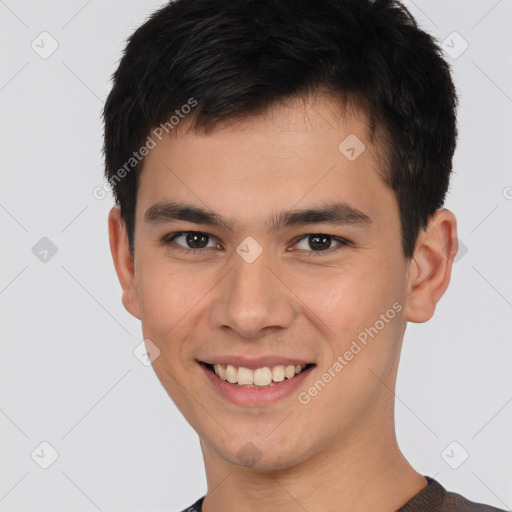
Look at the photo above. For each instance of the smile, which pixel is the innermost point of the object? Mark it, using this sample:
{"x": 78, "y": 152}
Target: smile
{"x": 256, "y": 387}
{"x": 259, "y": 377}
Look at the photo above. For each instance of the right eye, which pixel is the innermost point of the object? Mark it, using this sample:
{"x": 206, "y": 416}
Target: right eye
{"x": 191, "y": 241}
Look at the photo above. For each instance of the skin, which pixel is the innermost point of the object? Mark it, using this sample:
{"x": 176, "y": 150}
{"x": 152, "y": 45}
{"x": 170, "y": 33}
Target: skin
{"x": 339, "y": 451}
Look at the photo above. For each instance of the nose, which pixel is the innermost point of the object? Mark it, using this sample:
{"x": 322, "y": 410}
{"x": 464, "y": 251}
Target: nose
{"x": 252, "y": 300}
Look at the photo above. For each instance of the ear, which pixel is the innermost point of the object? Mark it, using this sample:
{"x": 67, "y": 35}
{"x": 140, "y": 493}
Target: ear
{"x": 431, "y": 266}
{"x": 123, "y": 261}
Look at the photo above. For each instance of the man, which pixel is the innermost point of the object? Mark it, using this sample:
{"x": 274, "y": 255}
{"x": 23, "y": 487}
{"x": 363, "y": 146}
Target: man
{"x": 280, "y": 168}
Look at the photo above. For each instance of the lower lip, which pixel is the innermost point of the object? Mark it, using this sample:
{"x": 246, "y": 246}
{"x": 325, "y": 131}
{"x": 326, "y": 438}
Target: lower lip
{"x": 255, "y": 397}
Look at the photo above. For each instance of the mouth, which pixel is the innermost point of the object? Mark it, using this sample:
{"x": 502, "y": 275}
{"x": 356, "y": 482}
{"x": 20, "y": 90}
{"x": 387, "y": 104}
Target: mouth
{"x": 264, "y": 377}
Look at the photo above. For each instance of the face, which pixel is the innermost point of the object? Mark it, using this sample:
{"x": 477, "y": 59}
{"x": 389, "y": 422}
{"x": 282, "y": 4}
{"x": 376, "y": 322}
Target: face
{"x": 263, "y": 245}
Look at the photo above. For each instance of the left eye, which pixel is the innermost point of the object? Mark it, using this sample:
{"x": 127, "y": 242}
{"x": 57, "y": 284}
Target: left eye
{"x": 318, "y": 242}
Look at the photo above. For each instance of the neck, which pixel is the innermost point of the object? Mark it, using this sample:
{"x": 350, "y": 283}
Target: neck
{"x": 348, "y": 476}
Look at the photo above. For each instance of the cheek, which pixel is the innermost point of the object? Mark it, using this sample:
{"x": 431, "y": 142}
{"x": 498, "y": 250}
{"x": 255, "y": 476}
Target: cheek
{"x": 348, "y": 297}
{"x": 357, "y": 303}
{"x": 170, "y": 298}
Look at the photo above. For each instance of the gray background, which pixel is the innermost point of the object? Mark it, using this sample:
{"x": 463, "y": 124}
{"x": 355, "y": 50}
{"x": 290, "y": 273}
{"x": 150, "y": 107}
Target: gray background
{"x": 68, "y": 373}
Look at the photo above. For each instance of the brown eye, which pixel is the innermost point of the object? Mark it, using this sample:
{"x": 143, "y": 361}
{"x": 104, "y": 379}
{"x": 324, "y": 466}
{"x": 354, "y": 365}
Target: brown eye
{"x": 319, "y": 242}
{"x": 189, "y": 240}
{"x": 196, "y": 240}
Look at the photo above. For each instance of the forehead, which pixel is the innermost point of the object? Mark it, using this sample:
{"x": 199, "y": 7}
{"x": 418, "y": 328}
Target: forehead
{"x": 296, "y": 153}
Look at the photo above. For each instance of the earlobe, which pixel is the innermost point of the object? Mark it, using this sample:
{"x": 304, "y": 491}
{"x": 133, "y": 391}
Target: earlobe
{"x": 123, "y": 261}
{"x": 431, "y": 265}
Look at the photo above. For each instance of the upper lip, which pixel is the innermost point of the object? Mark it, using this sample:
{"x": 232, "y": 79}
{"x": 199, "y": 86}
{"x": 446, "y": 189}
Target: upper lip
{"x": 255, "y": 362}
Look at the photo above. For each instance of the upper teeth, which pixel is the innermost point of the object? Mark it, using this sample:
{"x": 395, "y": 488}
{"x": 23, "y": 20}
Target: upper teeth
{"x": 259, "y": 377}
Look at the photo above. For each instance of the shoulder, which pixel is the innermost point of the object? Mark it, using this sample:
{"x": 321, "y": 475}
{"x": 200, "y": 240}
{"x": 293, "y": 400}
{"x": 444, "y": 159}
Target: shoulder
{"x": 196, "y": 507}
{"x": 435, "y": 498}
{"x": 456, "y": 503}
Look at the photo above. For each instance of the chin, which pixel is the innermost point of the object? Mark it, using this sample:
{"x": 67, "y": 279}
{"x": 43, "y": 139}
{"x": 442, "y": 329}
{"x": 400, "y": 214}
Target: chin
{"x": 261, "y": 455}
{"x": 265, "y": 464}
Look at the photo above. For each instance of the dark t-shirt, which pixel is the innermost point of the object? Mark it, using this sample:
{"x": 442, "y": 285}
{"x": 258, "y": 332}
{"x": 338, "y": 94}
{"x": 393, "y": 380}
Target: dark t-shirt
{"x": 433, "y": 498}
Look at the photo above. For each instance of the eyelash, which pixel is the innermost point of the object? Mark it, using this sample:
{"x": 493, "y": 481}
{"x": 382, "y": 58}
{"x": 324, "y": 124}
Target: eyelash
{"x": 168, "y": 239}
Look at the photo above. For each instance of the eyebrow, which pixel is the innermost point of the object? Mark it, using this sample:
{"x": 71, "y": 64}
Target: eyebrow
{"x": 339, "y": 214}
